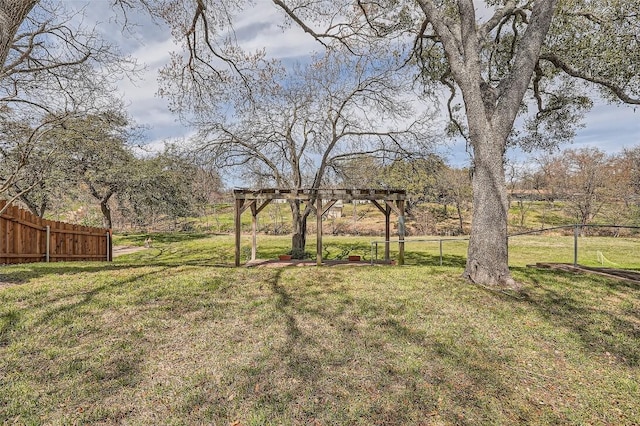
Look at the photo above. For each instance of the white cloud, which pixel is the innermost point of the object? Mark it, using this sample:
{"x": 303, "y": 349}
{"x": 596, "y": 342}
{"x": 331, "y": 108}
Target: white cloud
{"x": 141, "y": 94}
{"x": 261, "y": 27}
{"x": 610, "y": 128}
{"x": 150, "y": 43}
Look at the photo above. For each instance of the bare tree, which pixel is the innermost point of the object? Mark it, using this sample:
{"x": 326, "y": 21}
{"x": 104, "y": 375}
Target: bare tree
{"x": 55, "y": 62}
{"x": 205, "y": 30}
{"x": 582, "y": 179}
{"x": 455, "y": 188}
{"x": 522, "y": 56}
{"x": 518, "y": 181}
{"x": 360, "y": 172}
{"x": 539, "y": 47}
{"x": 25, "y": 157}
{"x": 305, "y": 124}
{"x": 628, "y": 165}
{"x": 203, "y": 26}
{"x": 54, "y": 70}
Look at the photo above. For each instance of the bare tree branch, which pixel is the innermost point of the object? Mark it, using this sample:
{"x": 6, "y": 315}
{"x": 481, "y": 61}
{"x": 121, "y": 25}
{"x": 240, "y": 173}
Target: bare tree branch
{"x": 291, "y": 13}
{"x": 496, "y": 19}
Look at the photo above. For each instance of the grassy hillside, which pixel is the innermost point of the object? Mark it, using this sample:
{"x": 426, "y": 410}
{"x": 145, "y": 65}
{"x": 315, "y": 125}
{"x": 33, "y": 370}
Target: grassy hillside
{"x": 172, "y": 335}
{"x": 427, "y": 219}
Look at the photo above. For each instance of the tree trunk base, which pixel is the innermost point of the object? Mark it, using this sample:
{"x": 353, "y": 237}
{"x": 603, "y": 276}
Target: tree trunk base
{"x": 489, "y": 277}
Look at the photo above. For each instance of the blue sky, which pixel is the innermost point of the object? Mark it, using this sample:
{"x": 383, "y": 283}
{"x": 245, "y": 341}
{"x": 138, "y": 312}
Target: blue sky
{"x": 609, "y": 127}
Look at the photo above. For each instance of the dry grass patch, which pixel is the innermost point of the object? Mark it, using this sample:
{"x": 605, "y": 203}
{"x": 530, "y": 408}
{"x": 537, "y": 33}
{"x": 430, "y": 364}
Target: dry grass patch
{"x": 197, "y": 344}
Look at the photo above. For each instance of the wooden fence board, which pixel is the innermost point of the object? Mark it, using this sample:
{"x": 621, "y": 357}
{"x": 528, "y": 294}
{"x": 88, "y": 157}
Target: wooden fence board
{"x": 23, "y": 238}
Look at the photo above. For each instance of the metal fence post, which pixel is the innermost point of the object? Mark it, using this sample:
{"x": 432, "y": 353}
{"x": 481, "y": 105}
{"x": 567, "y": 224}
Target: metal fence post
{"x": 371, "y": 253}
{"x": 440, "y": 252}
{"x": 575, "y": 245}
{"x": 376, "y": 250}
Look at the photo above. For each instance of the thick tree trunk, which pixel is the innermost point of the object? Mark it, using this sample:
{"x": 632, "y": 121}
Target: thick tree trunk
{"x": 299, "y": 224}
{"x": 487, "y": 259}
{"x": 106, "y": 214}
{"x": 491, "y": 110}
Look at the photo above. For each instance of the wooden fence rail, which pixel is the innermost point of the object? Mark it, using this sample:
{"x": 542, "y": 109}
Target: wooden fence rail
{"x": 25, "y": 238}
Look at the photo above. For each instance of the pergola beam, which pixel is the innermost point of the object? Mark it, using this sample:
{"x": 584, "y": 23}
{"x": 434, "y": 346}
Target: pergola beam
{"x": 326, "y": 194}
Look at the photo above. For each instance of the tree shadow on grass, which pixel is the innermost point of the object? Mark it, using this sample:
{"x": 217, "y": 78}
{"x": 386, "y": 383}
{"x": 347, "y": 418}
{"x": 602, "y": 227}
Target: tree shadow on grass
{"x": 340, "y": 250}
{"x": 455, "y": 366}
{"x": 86, "y": 298}
{"x": 59, "y": 310}
{"x": 603, "y": 312}
{"x": 349, "y": 359}
{"x": 23, "y": 274}
{"x": 9, "y": 321}
{"x": 68, "y": 349}
{"x": 160, "y": 257}
{"x": 299, "y": 363}
{"x": 161, "y": 254}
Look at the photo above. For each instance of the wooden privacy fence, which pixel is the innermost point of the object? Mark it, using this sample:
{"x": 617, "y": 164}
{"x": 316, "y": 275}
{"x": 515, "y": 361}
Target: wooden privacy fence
{"x": 25, "y": 238}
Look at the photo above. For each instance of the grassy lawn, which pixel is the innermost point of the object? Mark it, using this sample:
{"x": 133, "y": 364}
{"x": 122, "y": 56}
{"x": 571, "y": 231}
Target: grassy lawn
{"x": 173, "y": 335}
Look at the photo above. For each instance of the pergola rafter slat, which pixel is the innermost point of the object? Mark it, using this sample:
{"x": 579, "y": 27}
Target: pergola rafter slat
{"x": 256, "y": 200}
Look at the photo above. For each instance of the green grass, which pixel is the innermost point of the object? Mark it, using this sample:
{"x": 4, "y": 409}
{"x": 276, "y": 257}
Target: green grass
{"x": 524, "y": 250}
{"x": 173, "y": 335}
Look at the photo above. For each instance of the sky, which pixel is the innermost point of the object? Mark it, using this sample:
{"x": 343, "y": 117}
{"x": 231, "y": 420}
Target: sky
{"x": 608, "y": 127}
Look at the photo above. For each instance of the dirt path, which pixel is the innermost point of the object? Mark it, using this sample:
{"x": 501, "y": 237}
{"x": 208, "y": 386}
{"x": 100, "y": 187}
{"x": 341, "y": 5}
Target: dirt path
{"x": 120, "y": 250}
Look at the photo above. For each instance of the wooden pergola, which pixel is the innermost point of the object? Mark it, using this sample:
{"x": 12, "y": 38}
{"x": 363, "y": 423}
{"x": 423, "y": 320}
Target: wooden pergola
{"x": 386, "y": 200}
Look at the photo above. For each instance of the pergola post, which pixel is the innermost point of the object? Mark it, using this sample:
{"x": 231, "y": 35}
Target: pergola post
{"x": 386, "y": 210}
{"x": 254, "y": 229}
{"x": 387, "y": 233}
